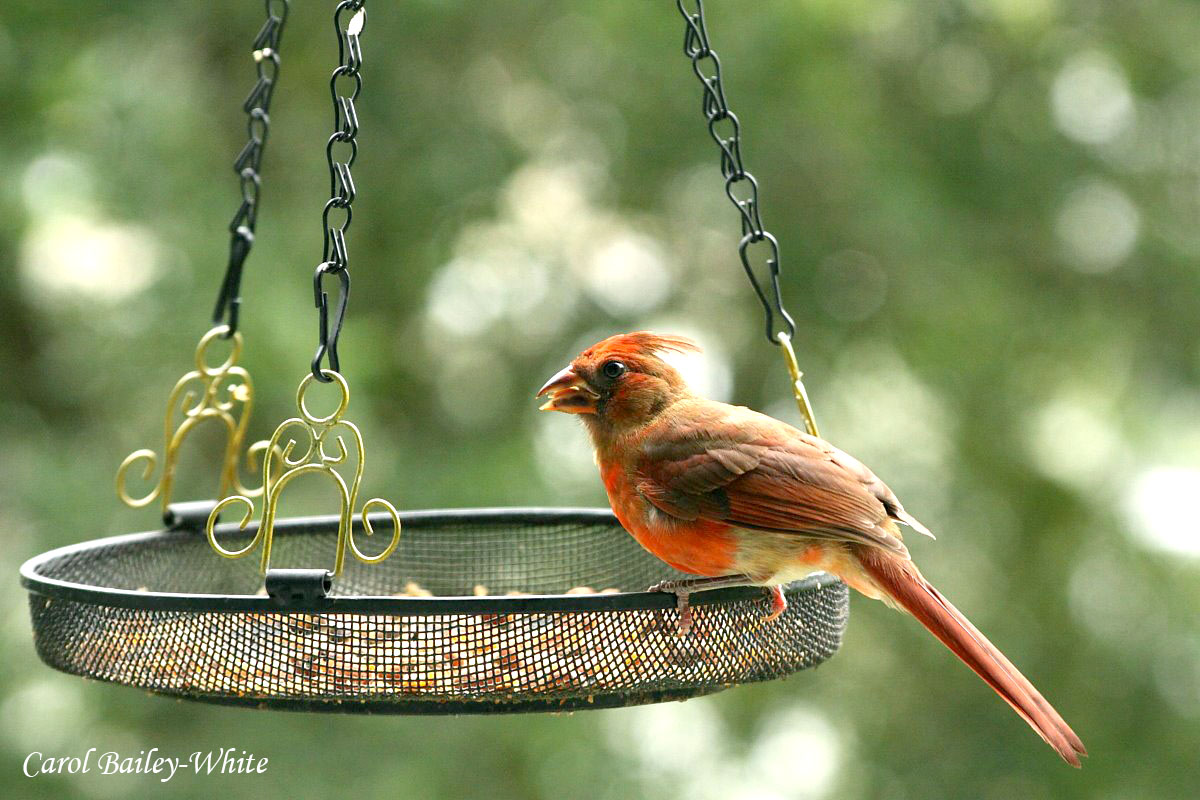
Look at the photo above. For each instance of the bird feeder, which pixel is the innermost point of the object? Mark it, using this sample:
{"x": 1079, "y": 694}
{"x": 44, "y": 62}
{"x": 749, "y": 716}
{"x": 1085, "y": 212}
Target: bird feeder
{"x": 458, "y": 611}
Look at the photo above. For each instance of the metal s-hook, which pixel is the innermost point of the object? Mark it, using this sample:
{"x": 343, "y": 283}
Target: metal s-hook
{"x": 772, "y": 301}
{"x": 327, "y": 339}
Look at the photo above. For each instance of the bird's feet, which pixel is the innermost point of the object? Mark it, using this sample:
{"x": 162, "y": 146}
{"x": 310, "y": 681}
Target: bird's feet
{"x": 778, "y": 603}
{"x": 683, "y": 588}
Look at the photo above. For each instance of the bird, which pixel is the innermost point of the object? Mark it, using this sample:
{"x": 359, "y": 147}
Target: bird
{"x": 738, "y": 498}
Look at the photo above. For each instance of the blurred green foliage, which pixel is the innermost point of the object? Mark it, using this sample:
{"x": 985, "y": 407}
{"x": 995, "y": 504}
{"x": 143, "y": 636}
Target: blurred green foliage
{"x": 988, "y": 212}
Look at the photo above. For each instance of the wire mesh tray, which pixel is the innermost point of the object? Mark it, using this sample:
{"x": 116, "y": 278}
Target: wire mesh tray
{"x": 160, "y": 612}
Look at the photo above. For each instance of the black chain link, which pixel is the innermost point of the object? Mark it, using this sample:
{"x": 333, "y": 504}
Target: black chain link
{"x": 256, "y": 105}
{"x": 740, "y": 185}
{"x": 335, "y": 258}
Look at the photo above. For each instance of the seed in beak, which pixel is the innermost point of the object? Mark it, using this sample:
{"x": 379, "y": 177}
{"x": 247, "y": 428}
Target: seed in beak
{"x": 568, "y": 393}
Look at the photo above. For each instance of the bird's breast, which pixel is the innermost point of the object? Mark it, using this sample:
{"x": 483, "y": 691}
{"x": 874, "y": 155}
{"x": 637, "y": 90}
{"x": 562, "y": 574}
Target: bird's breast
{"x": 699, "y": 547}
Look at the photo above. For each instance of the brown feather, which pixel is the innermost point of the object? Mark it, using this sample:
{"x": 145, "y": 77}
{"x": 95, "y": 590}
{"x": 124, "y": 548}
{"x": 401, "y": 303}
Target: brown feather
{"x": 904, "y": 584}
{"x": 734, "y": 465}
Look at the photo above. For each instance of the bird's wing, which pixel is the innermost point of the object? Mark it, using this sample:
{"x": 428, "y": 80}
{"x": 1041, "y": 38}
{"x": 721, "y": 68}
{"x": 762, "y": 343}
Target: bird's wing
{"x": 755, "y": 472}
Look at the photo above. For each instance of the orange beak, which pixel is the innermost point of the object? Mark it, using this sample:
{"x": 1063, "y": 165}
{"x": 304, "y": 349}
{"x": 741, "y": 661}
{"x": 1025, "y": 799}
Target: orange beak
{"x": 569, "y": 393}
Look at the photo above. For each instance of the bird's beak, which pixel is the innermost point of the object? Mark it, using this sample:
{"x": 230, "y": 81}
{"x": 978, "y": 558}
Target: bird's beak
{"x": 569, "y": 393}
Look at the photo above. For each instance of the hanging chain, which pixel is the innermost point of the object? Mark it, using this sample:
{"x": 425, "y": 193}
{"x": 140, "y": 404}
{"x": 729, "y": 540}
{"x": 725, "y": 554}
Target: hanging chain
{"x": 224, "y": 392}
{"x": 330, "y": 443}
{"x": 249, "y": 160}
{"x": 742, "y": 189}
{"x": 344, "y": 87}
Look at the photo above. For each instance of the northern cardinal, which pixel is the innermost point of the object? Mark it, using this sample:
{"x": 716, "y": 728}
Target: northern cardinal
{"x": 740, "y": 498}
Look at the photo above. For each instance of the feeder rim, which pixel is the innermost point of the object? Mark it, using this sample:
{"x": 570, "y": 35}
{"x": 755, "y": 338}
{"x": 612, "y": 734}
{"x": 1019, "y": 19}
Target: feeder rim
{"x": 55, "y": 588}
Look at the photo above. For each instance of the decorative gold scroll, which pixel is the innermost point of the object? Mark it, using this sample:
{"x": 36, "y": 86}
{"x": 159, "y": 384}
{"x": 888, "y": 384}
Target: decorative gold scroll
{"x": 318, "y": 461}
{"x": 224, "y": 393}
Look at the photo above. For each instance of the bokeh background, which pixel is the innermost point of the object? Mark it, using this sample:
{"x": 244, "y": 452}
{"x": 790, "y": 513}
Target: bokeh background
{"x": 988, "y": 211}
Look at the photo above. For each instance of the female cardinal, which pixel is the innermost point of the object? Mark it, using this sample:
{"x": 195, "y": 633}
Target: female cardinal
{"x": 741, "y": 498}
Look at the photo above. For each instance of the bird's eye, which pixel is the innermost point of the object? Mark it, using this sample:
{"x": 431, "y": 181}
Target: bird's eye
{"x": 613, "y": 369}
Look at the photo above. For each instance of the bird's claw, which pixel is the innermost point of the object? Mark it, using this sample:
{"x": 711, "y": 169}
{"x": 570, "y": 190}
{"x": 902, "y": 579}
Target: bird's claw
{"x": 681, "y": 591}
{"x": 682, "y": 588}
{"x": 778, "y": 603}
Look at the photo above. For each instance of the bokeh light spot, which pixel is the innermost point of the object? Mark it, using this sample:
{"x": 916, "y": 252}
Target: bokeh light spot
{"x": 1161, "y": 507}
{"x": 1073, "y": 442}
{"x": 65, "y": 256}
{"x": 626, "y": 274}
{"x": 1097, "y": 226}
{"x": 57, "y": 180}
{"x": 798, "y": 755}
{"x": 1091, "y": 99}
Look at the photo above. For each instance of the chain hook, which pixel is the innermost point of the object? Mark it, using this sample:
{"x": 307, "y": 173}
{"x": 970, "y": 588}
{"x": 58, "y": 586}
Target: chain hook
{"x": 772, "y": 301}
{"x": 327, "y": 339}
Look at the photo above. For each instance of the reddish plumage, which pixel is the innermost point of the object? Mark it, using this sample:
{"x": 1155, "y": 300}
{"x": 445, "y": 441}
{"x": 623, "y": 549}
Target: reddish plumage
{"x": 715, "y": 490}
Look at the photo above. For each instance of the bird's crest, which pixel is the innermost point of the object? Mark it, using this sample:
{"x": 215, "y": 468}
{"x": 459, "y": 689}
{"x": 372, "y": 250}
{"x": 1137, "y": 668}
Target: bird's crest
{"x": 644, "y": 343}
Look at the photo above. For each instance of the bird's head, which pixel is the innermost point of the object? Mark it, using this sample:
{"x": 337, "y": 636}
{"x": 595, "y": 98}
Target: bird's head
{"x": 621, "y": 382}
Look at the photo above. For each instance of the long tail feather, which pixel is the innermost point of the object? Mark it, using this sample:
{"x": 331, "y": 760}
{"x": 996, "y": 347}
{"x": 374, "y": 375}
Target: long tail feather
{"x": 905, "y": 585}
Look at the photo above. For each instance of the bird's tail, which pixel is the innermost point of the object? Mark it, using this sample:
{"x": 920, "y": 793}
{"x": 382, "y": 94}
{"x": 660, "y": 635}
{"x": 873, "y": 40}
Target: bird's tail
{"x": 905, "y": 585}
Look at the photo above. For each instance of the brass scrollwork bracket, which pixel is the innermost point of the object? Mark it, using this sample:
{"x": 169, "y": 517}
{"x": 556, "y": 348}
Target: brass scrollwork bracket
{"x": 319, "y": 431}
{"x": 224, "y": 393}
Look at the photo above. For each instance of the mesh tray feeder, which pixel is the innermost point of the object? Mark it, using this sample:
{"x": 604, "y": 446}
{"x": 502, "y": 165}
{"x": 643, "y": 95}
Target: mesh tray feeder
{"x": 476, "y": 611}
{"x": 158, "y": 612}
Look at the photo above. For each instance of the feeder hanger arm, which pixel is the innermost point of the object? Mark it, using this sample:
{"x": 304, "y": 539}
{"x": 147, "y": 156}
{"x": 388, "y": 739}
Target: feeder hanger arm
{"x": 223, "y": 392}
